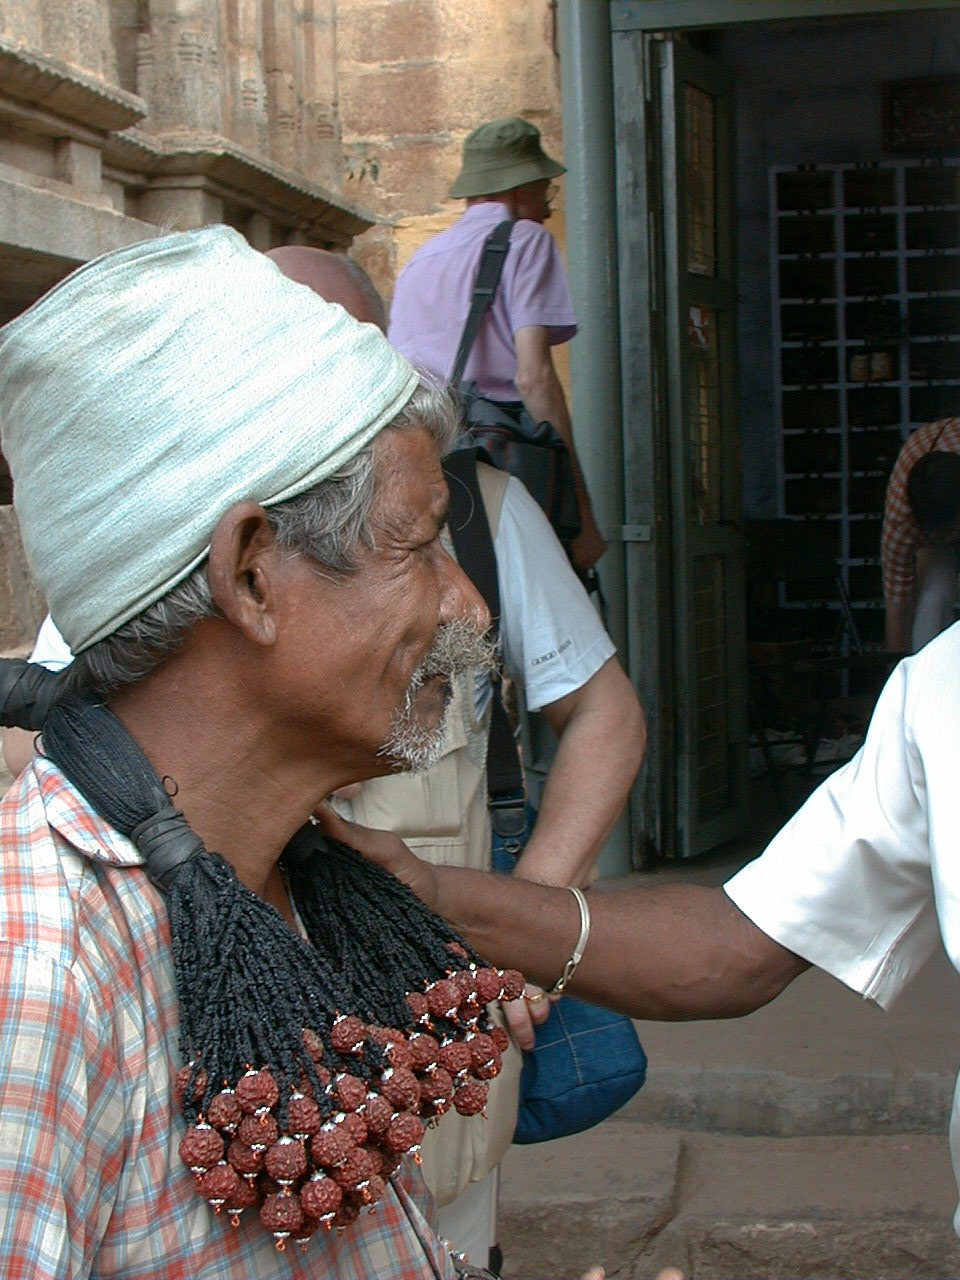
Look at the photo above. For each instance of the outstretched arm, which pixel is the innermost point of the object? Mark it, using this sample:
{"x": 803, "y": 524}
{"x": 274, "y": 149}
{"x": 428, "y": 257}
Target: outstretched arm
{"x": 673, "y": 952}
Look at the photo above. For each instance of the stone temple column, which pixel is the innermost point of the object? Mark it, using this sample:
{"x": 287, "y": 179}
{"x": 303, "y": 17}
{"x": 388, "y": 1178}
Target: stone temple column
{"x": 178, "y": 66}
{"x": 246, "y": 107}
{"x": 322, "y": 146}
{"x": 281, "y": 73}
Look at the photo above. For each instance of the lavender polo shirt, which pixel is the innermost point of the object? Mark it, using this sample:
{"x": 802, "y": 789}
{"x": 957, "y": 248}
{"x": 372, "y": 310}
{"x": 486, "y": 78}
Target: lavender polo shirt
{"x": 434, "y": 289}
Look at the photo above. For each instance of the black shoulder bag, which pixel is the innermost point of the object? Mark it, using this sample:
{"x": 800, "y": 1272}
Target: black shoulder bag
{"x": 532, "y": 451}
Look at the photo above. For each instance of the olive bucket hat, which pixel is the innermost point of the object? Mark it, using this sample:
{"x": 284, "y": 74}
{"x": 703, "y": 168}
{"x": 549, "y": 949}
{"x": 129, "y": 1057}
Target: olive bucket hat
{"x": 501, "y": 155}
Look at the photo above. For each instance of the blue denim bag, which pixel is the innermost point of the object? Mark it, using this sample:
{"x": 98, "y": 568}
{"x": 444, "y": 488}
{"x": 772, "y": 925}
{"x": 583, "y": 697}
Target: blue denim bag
{"x": 587, "y": 1061}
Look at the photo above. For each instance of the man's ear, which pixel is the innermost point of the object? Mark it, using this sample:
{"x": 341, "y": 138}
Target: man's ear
{"x": 241, "y": 571}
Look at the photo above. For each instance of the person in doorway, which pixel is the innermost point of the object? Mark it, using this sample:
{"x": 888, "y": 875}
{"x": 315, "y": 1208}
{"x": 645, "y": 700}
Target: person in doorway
{"x": 862, "y": 882}
{"x": 920, "y": 542}
{"x": 505, "y": 173}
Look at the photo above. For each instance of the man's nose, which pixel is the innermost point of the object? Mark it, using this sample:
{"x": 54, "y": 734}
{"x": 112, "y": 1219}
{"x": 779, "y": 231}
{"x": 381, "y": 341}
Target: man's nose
{"x": 460, "y": 599}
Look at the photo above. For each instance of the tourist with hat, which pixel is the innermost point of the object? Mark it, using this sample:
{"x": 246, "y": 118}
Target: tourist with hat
{"x": 505, "y": 173}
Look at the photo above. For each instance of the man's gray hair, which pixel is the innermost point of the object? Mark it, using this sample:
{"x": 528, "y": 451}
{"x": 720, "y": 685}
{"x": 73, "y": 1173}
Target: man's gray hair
{"x": 327, "y": 524}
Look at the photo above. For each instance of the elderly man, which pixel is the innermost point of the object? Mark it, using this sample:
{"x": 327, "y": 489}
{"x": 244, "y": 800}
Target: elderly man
{"x": 505, "y": 174}
{"x": 599, "y": 721}
{"x": 253, "y": 628}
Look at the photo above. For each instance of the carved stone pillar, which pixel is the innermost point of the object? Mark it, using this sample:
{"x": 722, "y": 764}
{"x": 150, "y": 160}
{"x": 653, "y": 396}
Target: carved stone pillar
{"x": 322, "y": 147}
{"x": 280, "y": 19}
{"x": 246, "y": 114}
{"x": 178, "y": 66}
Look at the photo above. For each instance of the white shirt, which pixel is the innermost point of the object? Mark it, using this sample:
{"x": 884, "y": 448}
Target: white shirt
{"x": 553, "y": 640}
{"x": 865, "y": 879}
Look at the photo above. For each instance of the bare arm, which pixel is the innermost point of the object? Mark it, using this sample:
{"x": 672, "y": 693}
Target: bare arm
{"x": 673, "y": 952}
{"x": 602, "y": 735}
{"x": 543, "y": 397}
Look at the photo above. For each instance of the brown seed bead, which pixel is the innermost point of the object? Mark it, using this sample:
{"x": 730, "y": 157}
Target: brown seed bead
{"x": 286, "y": 1160}
{"x": 466, "y": 983}
{"x": 377, "y": 1158}
{"x": 417, "y": 1002}
{"x": 224, "y": 1111}
{"x": 348, "y": 1212}
{"x": 219, "y": 1184}
{"x": 304, "y": 1116}
{"x": 281, "y": 1214}
{"x": 372, "y": 1190}
{"x": 490, "y": 1069}
{"x": 350, "y": 1091}
{"x": 457, "y": 950}
{"x": 348, "y": 1034}
{"x": 320, "y": 1197}
{"x": 399, "y": 1053}
{"x": 424, "y": 1049}
{"x": 401, "y": 1087}
{"x": 246, "y": 1160}
{"x": 355, "y": 1169}
{"x": 513, "y": 984}
{"x": 390, "y": 1161}
{"x": 256, "y": 1091}
{"x": 405, "y": 1132}
{"x": 201, "y": 1147}
{"x": 488, "y": 984}
{"x": 306, "y": 1229}
{"x": 481, "y": 1048}
{"x": 436, "y": 1089}
{"x": 454, "y": 1057}
{"x": 443, "y": 998}
{"x": 182, "y": 1083}
{"x": 485, "y": 1059}
{"x": 377, "y": 1112}
{"x": 258, "y": 1131}
{"x": 356, "y": 1126}
{"x": 470, "y": 1098}
{"x": 245, "y": 1197}
{"x": 331, "y": 1146}
{"x": 500, "y": 1037}
{"x": 314, "y": 1045}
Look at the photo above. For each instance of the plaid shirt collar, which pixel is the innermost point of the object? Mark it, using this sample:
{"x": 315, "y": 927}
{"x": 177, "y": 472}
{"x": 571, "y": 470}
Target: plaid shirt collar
{"x": 71, "y": 817}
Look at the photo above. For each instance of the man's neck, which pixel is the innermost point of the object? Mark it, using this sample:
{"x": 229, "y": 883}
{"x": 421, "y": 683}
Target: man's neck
{"x": 244, "y": 788}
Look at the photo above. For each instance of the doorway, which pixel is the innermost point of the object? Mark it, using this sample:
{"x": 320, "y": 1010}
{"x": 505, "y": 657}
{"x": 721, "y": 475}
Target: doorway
{"x": 806, "y": 94}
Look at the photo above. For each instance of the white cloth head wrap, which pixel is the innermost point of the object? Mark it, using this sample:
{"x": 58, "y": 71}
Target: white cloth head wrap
{"x": 154, "y": 388}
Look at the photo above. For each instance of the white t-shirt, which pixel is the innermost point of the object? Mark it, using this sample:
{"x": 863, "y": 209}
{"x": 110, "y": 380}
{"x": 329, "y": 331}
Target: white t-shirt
{"x": 553, "y": 641}
{"x": 865, "y": 879}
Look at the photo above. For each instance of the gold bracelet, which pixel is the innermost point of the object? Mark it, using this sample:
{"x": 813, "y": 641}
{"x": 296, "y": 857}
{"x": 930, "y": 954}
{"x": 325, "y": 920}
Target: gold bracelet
{"x": 570, "y": 967}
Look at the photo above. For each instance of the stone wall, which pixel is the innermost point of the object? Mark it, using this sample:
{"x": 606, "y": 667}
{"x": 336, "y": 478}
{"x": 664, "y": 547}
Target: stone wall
{"x": 415, "y": 77}
{"x": 122, "y": 117}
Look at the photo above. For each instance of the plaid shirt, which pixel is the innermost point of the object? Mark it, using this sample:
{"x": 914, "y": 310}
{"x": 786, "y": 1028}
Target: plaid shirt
{"x": 90, "y": 1180}
{"x": 901, "y": 537}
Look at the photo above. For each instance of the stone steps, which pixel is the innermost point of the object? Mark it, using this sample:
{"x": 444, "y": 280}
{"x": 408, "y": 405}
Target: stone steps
{"x": 636, "y": 1198}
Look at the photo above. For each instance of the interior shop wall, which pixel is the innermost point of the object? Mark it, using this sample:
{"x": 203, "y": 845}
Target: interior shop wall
{"x": 806, "y": 95}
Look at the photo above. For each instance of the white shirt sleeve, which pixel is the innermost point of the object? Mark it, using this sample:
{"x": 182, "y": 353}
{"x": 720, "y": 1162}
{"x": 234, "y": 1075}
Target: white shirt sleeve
{"x": 848, "y": 883}
{"x": 553, "y": 640}
{"x": 51, "y": 650}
